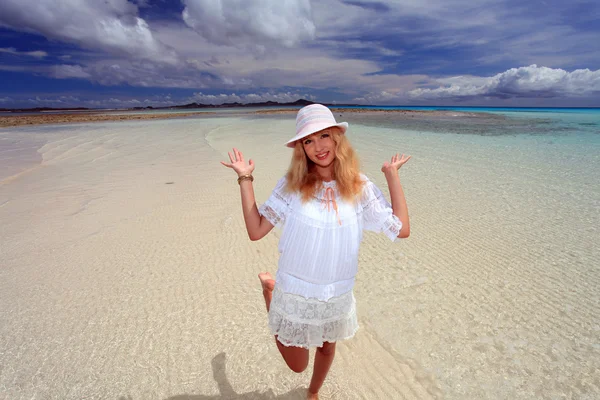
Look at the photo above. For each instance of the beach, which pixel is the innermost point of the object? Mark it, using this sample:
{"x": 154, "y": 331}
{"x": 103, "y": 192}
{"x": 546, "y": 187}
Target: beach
{"x": 8, "y": 120}
{"x": 126, "y": 271}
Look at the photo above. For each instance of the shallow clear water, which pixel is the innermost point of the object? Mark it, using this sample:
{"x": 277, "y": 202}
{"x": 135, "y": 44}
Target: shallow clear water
{"x": 494, "y": 295}
{"x": 496, "y": 291}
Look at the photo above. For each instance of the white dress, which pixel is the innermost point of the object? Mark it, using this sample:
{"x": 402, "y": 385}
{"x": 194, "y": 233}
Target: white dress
{"x": 313, "y": 300}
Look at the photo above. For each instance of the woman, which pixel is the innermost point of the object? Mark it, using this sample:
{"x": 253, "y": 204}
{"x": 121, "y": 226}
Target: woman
{"x": 323, "y": 204}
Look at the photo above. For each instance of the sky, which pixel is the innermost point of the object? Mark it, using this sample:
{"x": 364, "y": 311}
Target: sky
{"x": 139, "y": 53}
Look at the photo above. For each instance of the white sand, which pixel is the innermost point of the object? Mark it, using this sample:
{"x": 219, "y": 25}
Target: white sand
{"x": 117, "y": 285}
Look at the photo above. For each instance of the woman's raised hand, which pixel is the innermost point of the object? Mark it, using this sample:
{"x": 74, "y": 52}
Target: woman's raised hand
{"x": 395, "y": 163}
{"x": 238, "y": 164}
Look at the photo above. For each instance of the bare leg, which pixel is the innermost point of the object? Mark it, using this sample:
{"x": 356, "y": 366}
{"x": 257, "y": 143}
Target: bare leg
{"x": 268, "y": 284}
{"x": 323, "y": 360}
{"x": 296, "y": 358}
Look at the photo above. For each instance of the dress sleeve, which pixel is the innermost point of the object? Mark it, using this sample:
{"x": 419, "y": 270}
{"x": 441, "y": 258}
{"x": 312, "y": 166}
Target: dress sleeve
{"x": 277, "y": 206}
{"x": 377, "y": 213}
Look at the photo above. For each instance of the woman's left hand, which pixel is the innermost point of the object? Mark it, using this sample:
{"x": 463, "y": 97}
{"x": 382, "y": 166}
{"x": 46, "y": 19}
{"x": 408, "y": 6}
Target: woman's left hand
{"x": 395, "y": 163}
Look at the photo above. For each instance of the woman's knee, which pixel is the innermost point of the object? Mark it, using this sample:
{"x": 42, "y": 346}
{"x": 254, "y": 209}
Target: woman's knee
{"x": 296, "y": 358}
{"x": 297, "y": 367}
{"x": 297, "y": 361}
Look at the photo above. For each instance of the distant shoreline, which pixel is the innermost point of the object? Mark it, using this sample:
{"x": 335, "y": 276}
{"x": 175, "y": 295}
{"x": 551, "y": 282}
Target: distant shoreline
{"x": 106, "y": 116}
{"x": 85, "y": 117}
{"x": 271, "y": 106}
{"x": 190, "y": 106}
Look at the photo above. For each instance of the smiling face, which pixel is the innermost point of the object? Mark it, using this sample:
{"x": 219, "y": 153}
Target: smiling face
{"x": 320, "y": 149}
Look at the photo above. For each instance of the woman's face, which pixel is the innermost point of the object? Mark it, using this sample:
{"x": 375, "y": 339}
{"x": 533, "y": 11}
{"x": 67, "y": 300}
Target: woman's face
{"x": 320, "y": 147}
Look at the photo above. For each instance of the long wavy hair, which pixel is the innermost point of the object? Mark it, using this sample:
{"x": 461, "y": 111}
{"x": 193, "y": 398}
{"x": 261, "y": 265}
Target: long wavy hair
{"x": 302, "y": 175}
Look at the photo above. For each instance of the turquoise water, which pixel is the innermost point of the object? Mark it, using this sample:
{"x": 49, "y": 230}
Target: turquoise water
{"x": 514, "y": 120}
{"x": 484, "y": 109}
{"x": 486, "y": 124}
{"x": 486, "y": 121}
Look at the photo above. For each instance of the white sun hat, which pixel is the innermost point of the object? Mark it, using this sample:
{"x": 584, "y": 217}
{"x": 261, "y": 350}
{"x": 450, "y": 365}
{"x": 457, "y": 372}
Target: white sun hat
{"x": 314, "y": 118}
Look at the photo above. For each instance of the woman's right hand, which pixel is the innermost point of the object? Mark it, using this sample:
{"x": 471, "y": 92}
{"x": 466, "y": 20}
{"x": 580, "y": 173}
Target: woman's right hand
{"x": 238, "y": 164}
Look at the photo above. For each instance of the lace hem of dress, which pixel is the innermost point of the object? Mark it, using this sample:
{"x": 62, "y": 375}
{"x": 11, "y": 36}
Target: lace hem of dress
{"x": 391, "y": 227}
{"x": 307, "y": 323}
{"x": 275, "y": 209}
{"x": 270, "y": 214}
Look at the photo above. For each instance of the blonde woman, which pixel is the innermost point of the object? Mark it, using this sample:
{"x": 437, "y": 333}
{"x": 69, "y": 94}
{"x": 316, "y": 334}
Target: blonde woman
{"x": 323, "y": 204}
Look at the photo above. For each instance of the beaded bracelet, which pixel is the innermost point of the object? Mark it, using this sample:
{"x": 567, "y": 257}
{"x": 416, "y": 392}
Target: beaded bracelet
{"x": 245, "y": 177}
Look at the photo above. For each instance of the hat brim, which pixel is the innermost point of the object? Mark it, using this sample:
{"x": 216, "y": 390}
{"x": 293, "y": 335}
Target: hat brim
{"x": 292, "y": 142}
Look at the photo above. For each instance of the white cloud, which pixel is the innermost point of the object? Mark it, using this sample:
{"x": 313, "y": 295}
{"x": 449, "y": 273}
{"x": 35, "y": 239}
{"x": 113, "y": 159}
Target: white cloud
{"x": 47, "y": 101}
{"x": 503, "y": 33}
{"x": 58, "y": 101}
{"x": 309, "y": 67}
{"x": 373, "y": 47}
{"x": 69, "y": 98}
{"x": 365, "y": 50}
{"x": 68, "y": 71}
{"x": 5, "y": 100}
{"x": 141, "y": 74}
{"x": 111, "y": 102}
{"x": 531, "y": 81}
{"x": 120, "y": 101}
{"x": 111, "y": 25}
{"x": 164, "y": 100}
{"x": 210, "y": 66}
{"x": 135, "y": 73}
{"x": 376, "y": 98}
{"x": 12, "y": 50}
{"x": 256, "y": 23}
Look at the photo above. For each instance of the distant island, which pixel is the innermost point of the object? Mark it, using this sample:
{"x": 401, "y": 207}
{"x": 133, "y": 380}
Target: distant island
{"x": 297, "y": 103}
{"x": 42, "y": 109}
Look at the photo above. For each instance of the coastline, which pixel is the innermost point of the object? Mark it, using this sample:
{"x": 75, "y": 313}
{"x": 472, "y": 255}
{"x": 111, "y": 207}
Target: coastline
{"x": 104, "y": 116}
{"x": 81, "y": 117}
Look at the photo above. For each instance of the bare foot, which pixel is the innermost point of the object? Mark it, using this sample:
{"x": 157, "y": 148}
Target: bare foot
{"x": 312, "y": 396}
{"x": 268, "y": 284}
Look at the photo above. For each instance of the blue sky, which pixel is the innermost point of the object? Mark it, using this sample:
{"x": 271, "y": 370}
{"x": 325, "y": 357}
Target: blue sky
{"x": 120, "y": 53}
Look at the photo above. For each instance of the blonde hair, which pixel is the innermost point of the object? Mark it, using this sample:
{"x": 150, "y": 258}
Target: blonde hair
{"x": 302, "y": 176}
